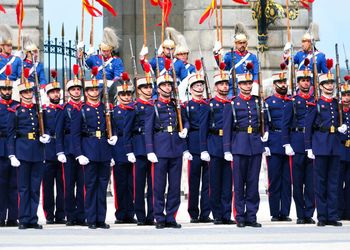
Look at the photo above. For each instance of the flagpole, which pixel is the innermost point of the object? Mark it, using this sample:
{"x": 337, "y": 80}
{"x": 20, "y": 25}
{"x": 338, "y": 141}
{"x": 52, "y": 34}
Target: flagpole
{"x": 221, "y": 21}
{"x": 288, "y": 21}
{"x": 82, "y": 23}
{"x": 144, "y": 23}
{"x": 92, "y": 27}
{"x": 217, "y": 21}
{"x": 163, "y": 17}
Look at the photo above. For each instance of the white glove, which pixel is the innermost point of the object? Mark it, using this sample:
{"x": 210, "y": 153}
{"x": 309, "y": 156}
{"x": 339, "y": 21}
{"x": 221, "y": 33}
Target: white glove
{"x": 267, "y": 151}
{"x": 342, "y": 129}
{"x": 287, "y": 47}
{"x": 83, "y": 160}
{"x": 205, "y": 156}
{"x": 14, "y": 161}
{"x": 90, "y": 51}
{"x": 288, "y": 149}
{"x": 183, "y": 133}
{"x": 19, "y": 53}
{"x": 45, "y": 138}
{"x": 143, "y": 52}
{"x": 113, "y": 140}
{"x": 265, "y": 137}
{"x": 228, "y": 156}
{"x": 310, "y": 154}
{"x": 160, "y": 50}
{"x": 80, "y": 45}
{"x": 61, "y": 157}
{"x": 112, "y": 163}
{"x": 217, "y": 47}
{"x": 187, "y": 156}
{"x": 131, "y": 157}
{"x": 152, "y": 157}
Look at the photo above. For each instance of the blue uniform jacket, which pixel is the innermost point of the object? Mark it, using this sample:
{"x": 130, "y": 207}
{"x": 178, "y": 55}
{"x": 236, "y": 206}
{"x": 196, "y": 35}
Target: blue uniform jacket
{"x": 50, "y": 121}
{"x": 180, "y": 69}
{"x": 113, "y": 70}
{"x": 39, "y": 69}
{"x": 4, "y": 118}
{"x": 320, "y": 60}
{"x": 345, "y": 151}
{"x": 16, "y": 67}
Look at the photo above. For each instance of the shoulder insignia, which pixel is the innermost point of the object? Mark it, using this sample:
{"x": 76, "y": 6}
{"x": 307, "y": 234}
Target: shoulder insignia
{"x": 14, "y": 108}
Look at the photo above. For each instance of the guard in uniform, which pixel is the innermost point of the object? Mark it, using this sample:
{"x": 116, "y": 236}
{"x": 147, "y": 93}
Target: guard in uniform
{"x": 93, "y": 151}
{"x": 135, "y": 147}
{"x": 165, "y": 147}
{"x": 8, "y": 174}
{"x": 123, "y": 169}
{"x": 344, "y": 173}
{"x": 293, "y": 132}
{"x": 26, "y": 151}
{"x": 323, "y": 144}
{"x": 243, "y": 145}
{"x": 73, "y": 172}
{"x": 279, "y": 189}
{"x": 211, "y": 148}
{"x": 53, "y": 171}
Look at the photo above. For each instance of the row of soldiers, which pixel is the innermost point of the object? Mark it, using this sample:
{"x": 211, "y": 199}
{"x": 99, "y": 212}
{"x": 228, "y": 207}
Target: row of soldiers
{"x": 220, "y": 137}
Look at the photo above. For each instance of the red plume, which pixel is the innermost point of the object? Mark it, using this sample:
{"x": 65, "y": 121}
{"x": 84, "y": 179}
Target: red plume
{"x": 222, "y": 66}
{"x": 249, "y": 66}
{"x": 347, "y": 78}
{"x": 306, "y": 61}
{"x": 94, "y": 71}
{"x": 241, "y": 2}
{"x": 26, "y": 72}
{"x": 147, "y": 67}
{"x": 53, "y": 73}
{"x": 283, "y": 66}
{"x": 75, "y": 69}
{"x": 198, "y": 64}
{"x": 8, "y": 70}
{"x": 125, "y": 76}
{"x": 167, "y": 64}
{"x": 329, "y": 63}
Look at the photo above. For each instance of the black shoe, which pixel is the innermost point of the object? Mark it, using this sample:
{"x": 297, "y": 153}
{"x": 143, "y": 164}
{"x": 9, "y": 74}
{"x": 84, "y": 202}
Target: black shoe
{"x": 60, "y": 221}
{"x": 253, "y": 224}
{"x": 217, "y": 222}
{"x": 12, "y": 223}
{"x": 240, "y": 224}
{"x": 130, "y": 221}
{"x": 81, "y": 223}
{"x": 160, "y": 225}
{"x": 141, "y": 223}
{"x": 150, "y": 223}
{"x": 309, "y": 221}
{"x": 274, "y": 218}
{"x": 205, "y": 220}
{"x": 70, "y": 223}
{"x": 102, "y": 225}
{"x": 228, "y": 222}
{"x": 321, "y": 224}
{"x": 92, "y": 226}
{"x": 285, "y": 218}
{"x": 23, "y": 226}
{"x": 36, "y": 226}
{"x": 173, "y": 224}
{"x": 2, "y": 223}
{"x": 119, "y": 221}
{"x": 50, "y": 222}
{"x": 301, "y": 221}
{"x": 194, "y": 220}
{"x": 334, "y": 223}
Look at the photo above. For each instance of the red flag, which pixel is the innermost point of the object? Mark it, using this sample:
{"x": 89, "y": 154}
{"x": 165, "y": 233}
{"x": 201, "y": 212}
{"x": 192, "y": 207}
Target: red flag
{"x": 2, "y": 9}
{"x": 108, "y": 6}
{"x": 166, "y": 6}
{"x": 306, "y": 3}
{"x": 208, "y": 11}
{"x": 91, "y": 9}
{"x": 155, "y": 2}
{"x": 241, "y": 2}
{"x": 20, "y": 13}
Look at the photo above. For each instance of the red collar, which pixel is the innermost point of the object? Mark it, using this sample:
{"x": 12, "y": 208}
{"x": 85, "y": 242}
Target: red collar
{"x": 142, "y": 101}
{"x": 245, "y": 98}
{"x": 304, "y": 96}
{"x": 104, "y": 58}
{"x": 346, "y": 109}
{"x": 78, "y": 104}
{"x": 283, "y": 97}
{"x": 6, "y": 56}
{"x": 124, "y": 107}
{"x": 200, "y": 101}
{"x": 28, "y": 106}
{"x": 28, "y": 61}
{"x": 53, "y": 106}
{"x": 2, "y": 101}
{"x": 164, "y": 100}
{"x": 241, "y": 53}
{"x": 326, "y": 99}
{"x": 93, "y": 105}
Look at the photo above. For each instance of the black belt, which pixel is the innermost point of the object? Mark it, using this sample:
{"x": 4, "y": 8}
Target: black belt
{"x": 249, "y": 130}
{"x": 218, "y": 132}
{"x": 168, "y": 129}
{"x": 300, "y": 129}
{"x": 194, "y": 129}
{"x": 97, "y": 133}
{"x": 275, "y": 129}
{"x": 29, "y": 136}
{"x": 67, "y": 132}
{"x": 331, "y": 129}
{"x": 3, "y": 134}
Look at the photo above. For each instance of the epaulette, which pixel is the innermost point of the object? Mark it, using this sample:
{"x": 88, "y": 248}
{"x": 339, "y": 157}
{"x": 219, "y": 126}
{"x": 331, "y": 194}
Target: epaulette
{"x": 267, "y": 98}
{"x": 150, "y": 103}
{"x": 129, "y": 107}
{"x": 14, "y": 108}
{"x": 59, "y": 107}
{"x": 311, "y": 103}
{"x": 74, "y": 106}
{"x": 232, "y": 98}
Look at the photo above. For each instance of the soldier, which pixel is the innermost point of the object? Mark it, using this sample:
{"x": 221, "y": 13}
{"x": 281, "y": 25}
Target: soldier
{"x": 344, "y": 173}
{"x": 198, "y": 170}
{"x": 279, "y": 190}
{"x": 53, "y": 171}
{"x": 165, "y": 148}
{"x": 8, "y": 174}
{"x": 135, "y": 147}
{"x": 210, "y": 139}
{"x": 92, "y": 150}
{"x": 123, "y": 169}
{"x": 26, "y": 151}
{"x": 73, "y": 172}
{"x": 293, "y": 132}
{"x": 322, "y": 144}
{"x": 241, "y": 56}
{"x": 243, "y": 145}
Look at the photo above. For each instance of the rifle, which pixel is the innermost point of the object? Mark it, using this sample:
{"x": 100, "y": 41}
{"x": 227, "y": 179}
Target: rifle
{"x": 64, "y": 80}
{"x": 106, "y": 102}
{"x": 337, "y": 81}
{"x": 80, "y": 57}
{"x": 176, "y": 94}
{"x": 292, "y": 72}
{"x": 346, "y": 60}
{"x": 156, "y": 54}
{"x": 133, "y": 63}
{"x": 233, "y": 73}
{"x": 314, "y": 70}
{"x": 38, "y": 102}
{"x": 207, "y": 87}
{"x": 261, "y": 97}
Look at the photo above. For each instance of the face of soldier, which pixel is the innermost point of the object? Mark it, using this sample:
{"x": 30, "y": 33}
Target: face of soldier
{"x": 6, "y": 93}
{"x": 167, "y": 51}
{"x": 92, "y": 94}
{"x": 281, "y": 87}
{"x": 245, "y": 87}
{"x": 327, "y": 88}
{"x": 197, "y": 90}
{"x": 75, "y": 93}
{"x": 304, "y": 85}
{"x": 145, "y": 91}
{"x": 345, "y": 97}
{"x": 27, "y": 96}
{"x": 165, "y": 89}
{"x": 306, "y": 45}
{"x": 7, "y": 49}
{"x": 182, "y": 56}
{"x": 124, "y": 97}
{"x": 32, "y": 55}
{"x": 222, "y": 88}
{"x": 54, "y": 96}
{"x": 241, "y": 46}
{"x": 107, "y": 53}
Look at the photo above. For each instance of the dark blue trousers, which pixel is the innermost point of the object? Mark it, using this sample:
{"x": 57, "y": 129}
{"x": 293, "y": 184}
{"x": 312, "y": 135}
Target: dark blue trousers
{"x": 123, "y": 190}
{"x": 96, "y": 176}
{"x": 344, "y": 191}
{"x": 326, "y": 184}
{"x": 198, "y": 173}
{"x": 303, "y": 188}
{"x": 74, "y": 190}
{"x": 8, "y": 191}
{"x": 143, "y": 174}
{"x": 220, "y": 181}
{"x": 29, "y": 180}
{"x": 53, "y": 174}
{"x": 246, "y": 170}
{"x": 167, "y": 169}
{"x": 279, "y": 189}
